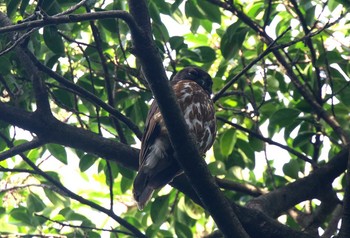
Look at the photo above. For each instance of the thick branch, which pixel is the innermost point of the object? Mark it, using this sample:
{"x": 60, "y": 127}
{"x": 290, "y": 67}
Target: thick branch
{"x": 54, "y": 131}
{"x": 187, "y": 153}
{"x": 309, "y": 187}
{"x": 72, "y": 18}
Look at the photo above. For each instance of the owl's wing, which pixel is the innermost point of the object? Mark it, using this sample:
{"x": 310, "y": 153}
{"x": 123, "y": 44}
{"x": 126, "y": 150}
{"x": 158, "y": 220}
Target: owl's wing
{"x": 152, "y": 130}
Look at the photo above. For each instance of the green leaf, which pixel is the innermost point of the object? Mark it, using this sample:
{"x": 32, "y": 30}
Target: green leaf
{"x": 63, "y": 97}
{"x": 206, "y": 54}
{"x": 303, "y": 138}
{"x": 71, "y": 215}
{"x": 192, "y": 10}
{"x": 177, "y": 42}
{"x": 86, "y": 162}
{"x": 159, "y": 209}
{"x": 20, "y": 215}
{"x": 34, "y": 203}
{"x": 182, "y": 231}
{"x": 23, "y": 6}
{"x": 227, "y": 142}
{"x": 284, "y": 117}
{"x": 154, "y": 12}
{"x": 55, "y": 199}
{"x": 217, "y": 168}
{"x": 232, "y": 40}
{"x": 202, "y": 10}
{"x": 12, "y": 6}
{"x": 291, "y": 169}
{"x": 248, "y": 155}
{"x": 58, "y": 152}
{"x": 128, "y": 173}
{"x": 329, "y": 57}
{"x": 256, "y": 144}
{"x": 53, "y": 40}
{"x": 125, "y": 184}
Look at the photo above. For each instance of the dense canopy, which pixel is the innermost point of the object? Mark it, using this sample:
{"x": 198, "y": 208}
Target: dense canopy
{"x": 76, "y": 82}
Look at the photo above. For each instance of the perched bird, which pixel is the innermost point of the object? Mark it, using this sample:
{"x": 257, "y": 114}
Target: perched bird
{"x": 157, "y": 163}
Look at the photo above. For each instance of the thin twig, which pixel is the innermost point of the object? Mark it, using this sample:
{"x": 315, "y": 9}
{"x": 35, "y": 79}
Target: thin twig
{"x": 85, "y": 227}
{"x": 251, "y": 64}
{"x": 271, "y": 142}
{"x": 20, "y": 148}
{"x": 86, "y": 94}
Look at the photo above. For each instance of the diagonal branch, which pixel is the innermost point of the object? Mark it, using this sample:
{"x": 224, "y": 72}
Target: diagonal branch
{"x": 309, "y": 187}
{"x": 247, "y": 67}
{"x": 271, "y": 142}
{"x": 187, "y": 153}
{"x": 55, "y": 131}
{"x": 72, "y": 18}
{"x": 108, "y": 81}
{"x": 304, "y": 91}
{"x": 19, "y": 148}
{"x": 88, "y": 95}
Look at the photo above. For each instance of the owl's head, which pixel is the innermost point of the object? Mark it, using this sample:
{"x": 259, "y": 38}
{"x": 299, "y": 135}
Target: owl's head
{"x": 197, "y": 75}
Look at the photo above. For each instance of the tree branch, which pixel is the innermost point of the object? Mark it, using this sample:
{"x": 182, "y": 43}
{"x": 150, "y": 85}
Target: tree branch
{"x": 304, "y": 91}
{"x": 63, "y": 224}
{"x": 108, "y": 81}
{"x": 271, "y": 142}
{"x": 309, "y": 187}
{"x": 187, "y": 153}
{"x": 54, "y": 131}
{"x": 247, "y": 67}
{"x": 20, "y": 148}
{"x": 86, "y": 94}
{"x": 82, "y": 200}
{"x": 72, "y": 18}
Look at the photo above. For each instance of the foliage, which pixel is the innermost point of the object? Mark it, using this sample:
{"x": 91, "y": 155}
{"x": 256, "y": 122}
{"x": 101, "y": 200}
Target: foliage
{"x": 280, "y": 71}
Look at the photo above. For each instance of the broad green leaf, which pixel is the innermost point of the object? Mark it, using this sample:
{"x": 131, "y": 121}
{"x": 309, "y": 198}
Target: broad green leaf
{"x": 71, "y": 215}
{"x": 256, "y": 143}
{"x": 55, "y": 199}
{"x": 192, "y": 9}
{"x": 284, "y": 117}
{"x": 303, "y": 138}
{"x": 154, "y": 12}
{"x": 177, "y": 42}
{"x": 211, "y": 11}
{"x": 202, "y": 10}
{"x": 159, "y": 209}
{"x": 227, "y": 142}
{"x": 329, "y": 57}
{"x": 58, "y": 152}
{"x": 34, "y": 203}
{"x": 291, "y": 169}
{"x": 12, "y": 6}
{"x": 247, "y": 153}
{"x": 232, "y": 40}
{"x": 86, "y": 162}
{"x": 53, "y": 40}
{"x": 182, "y": 231}
{"x": 128, "y": 173}
{"x": 206, "y": 54}
{"x": 125, "y": 184}
{"x": 217, "y": 168}
{"x": 2, "y": 211}
{"x": 23, "y": 6}
{"x": 19, "y": 216}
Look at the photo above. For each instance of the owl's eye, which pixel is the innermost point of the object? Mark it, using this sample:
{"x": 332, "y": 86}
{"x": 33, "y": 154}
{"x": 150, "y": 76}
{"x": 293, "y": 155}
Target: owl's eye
{"x": 192, "y": 73}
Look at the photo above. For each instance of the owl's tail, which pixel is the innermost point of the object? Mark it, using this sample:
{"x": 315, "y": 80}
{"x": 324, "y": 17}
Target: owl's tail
{"x": 142, "y": 191}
